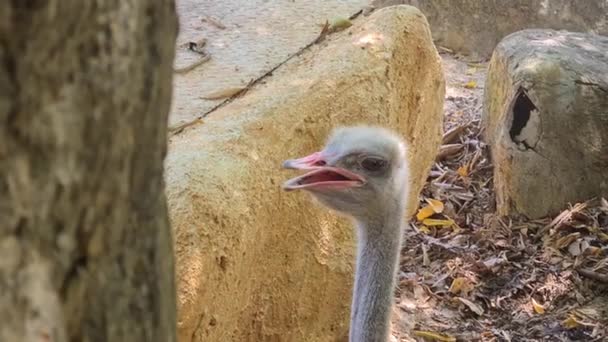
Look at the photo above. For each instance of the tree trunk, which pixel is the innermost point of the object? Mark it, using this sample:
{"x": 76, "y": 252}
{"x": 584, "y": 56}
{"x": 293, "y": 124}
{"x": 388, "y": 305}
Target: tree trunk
{"x": 85, "y": 243}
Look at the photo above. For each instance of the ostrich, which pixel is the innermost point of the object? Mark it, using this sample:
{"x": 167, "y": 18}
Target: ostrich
{"x": 362, "y": 173}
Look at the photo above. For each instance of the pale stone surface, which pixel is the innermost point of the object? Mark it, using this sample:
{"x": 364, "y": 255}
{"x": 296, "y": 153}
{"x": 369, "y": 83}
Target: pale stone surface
{"x": 546, "y": 120}
{"x": 255, "y": 263}
{"x": 474, "y": 27}
{"x": 254, "y": 36}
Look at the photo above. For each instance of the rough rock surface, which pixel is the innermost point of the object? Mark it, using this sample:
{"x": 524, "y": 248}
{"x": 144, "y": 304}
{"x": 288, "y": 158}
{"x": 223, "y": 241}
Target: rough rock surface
{"x": 255, "y": 263}
{"x": 546, "y": 119}
{"x": 474, "y": 27}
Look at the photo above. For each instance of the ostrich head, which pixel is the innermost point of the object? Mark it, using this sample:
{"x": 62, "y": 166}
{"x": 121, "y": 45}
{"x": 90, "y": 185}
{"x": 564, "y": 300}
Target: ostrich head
{"x": 360, "y": 172}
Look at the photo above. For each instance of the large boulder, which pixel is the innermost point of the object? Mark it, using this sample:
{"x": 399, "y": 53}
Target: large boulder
{"x": 474, "y": 27}
{"x": 255, "y": 263}
{"x": 546, "y": 119}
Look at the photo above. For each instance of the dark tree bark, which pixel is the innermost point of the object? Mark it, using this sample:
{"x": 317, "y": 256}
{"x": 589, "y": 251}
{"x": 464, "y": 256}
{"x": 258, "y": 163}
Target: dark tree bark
{"x": 85, "y": 244}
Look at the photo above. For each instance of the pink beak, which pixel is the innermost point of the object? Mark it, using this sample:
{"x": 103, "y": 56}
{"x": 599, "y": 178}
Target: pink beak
{"x": 306, "y": 163}
{"x": 320, "y": 176}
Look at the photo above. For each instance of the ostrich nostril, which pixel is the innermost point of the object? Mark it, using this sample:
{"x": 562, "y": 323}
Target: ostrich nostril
{"x": 320, "y": 163}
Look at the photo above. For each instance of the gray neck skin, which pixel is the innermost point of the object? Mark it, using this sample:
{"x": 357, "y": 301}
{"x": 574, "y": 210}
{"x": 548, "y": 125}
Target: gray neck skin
{"x": 379, "y": 245}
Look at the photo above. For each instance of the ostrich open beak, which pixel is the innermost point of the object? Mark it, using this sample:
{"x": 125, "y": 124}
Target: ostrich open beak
{"x": 321, "y": 176}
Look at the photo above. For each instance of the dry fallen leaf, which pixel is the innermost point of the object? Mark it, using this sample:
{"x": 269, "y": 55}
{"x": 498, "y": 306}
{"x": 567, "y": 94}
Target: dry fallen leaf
{"x": 222, "y": 94}
{"x": 470, "y": 85}
{"x": 566, "y": 240}
{"x": 213, "y": 21}
{"x": 493, "y": 264}
{"x": 463, "y": 171}
{"x": 539, "y": 309}
{"x": 476, "y": 64}
{"x": 435, "y": 222}
{"x": 461, "y": 284}
{"x": 437, "y": 205}
{"x": 433, "y": 336}
{"x": 571, "y": 322}
{"x": 474, "y": 307}
{"x": 192, "y": 66}
{"x": 425, "y": 212}
{"x": 448, "y": 150}
{"x": 444, "y": 49}
{"x": 425, "y": 230}
{"x": 434, "y": 207}
{"x": 563, "y": 217}
{"x": 604, "y": 203}
{"x": 453, "y": 134}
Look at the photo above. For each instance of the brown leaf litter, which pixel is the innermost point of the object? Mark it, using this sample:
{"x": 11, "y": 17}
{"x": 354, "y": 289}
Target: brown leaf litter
{"x": 469, "y": 275}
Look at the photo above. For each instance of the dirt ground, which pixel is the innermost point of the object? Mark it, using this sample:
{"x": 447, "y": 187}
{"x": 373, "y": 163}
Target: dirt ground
{"x": 468, "y": 275}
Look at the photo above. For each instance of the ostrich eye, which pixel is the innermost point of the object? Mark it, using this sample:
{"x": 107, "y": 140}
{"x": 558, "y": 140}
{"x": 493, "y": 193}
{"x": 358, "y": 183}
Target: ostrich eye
{"x": 373, "y": 163}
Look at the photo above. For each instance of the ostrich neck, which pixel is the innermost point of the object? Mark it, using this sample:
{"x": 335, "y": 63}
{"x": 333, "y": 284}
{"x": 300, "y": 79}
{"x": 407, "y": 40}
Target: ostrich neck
{"x": 378, "y": 248}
